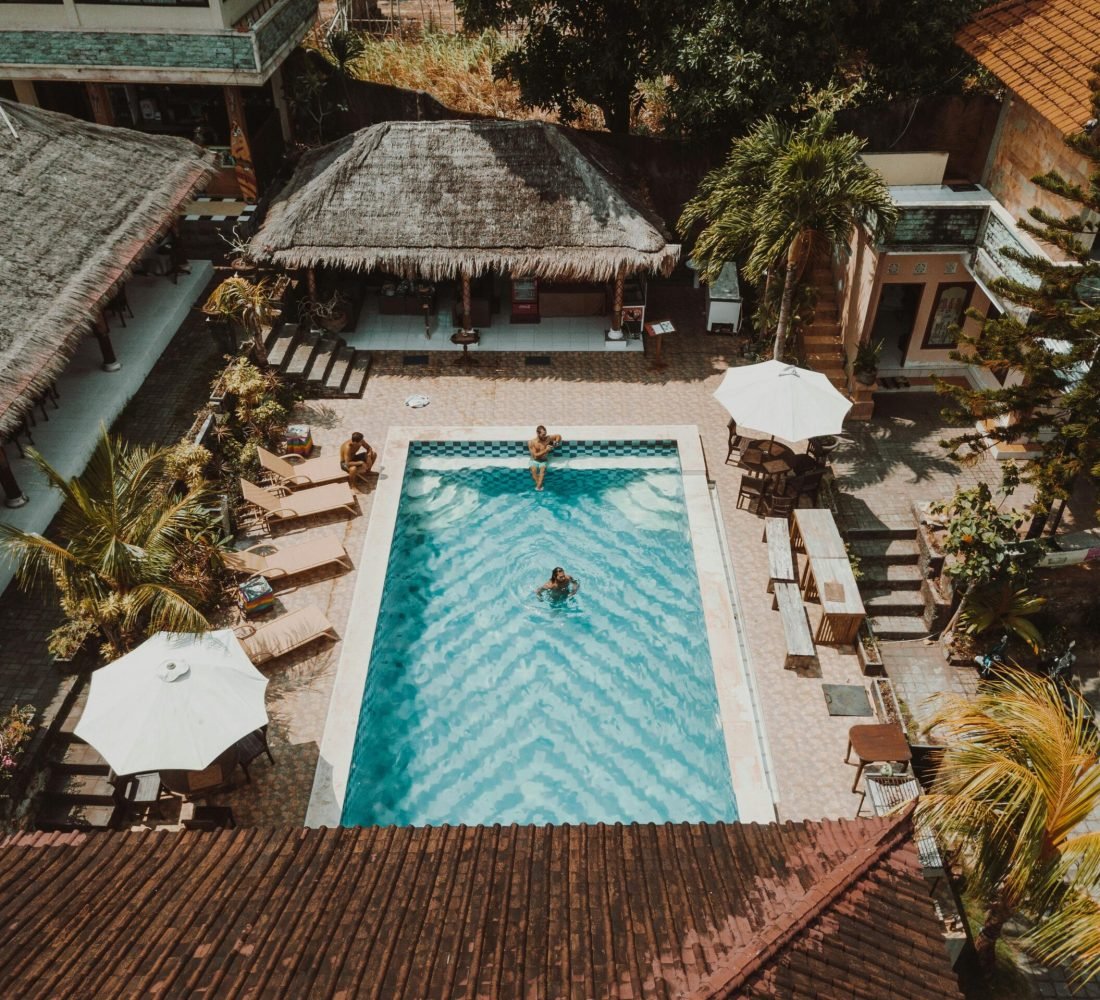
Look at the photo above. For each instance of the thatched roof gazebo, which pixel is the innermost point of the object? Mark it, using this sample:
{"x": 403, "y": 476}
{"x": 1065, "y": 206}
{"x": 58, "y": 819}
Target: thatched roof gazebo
{"x": 79, "y": 204}
{"x": 454, "y": 199}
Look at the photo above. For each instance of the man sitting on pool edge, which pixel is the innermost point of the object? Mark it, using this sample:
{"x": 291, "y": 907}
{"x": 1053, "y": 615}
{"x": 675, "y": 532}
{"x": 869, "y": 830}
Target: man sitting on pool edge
{"x": 540, "y": 447}
{"x": 560, "y": 584}
{"x": 356, "y": 458}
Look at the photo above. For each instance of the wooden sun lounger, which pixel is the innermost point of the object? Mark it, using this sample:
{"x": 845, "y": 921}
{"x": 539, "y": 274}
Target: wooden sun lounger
{"x": 296, "y": 472}
{"x": 278, "y": 562}
{"x": 268, "y": 641}
{"x": 279, "y": 504}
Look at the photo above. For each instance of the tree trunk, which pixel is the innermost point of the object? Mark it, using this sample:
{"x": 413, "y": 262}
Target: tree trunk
{"x": 259, "y": 348}
{"x": 784, "y": 312}
{"x": 985, "y": 944}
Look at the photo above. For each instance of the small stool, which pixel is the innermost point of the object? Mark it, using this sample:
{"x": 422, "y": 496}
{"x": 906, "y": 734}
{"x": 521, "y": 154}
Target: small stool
{"x": 466, "y": 338}
{"x": 255, "y": 596}
{"x": 299, "y": 440}
{"x": 877, "y": 744}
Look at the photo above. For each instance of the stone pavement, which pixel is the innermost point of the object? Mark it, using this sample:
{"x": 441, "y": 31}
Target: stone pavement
{"x": 806, "y": 746}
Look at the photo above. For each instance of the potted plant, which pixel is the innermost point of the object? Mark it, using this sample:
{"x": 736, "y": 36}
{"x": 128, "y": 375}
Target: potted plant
{"x": 865, "y": 365}
{"x": 868, "y": 651}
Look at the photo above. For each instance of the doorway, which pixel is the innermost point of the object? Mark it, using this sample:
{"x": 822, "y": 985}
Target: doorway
{"x": 897, "y": 314}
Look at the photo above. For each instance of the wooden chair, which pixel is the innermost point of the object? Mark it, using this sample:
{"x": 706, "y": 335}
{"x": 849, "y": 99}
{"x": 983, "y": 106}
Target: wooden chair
{"x": 279, "y": 504}
{"x": 779, "y": 504}
{"x": 209, "y": 818}
{"x": 252, "y": 746}
{"x": 805, "y": 485}
{"x": 283, "y": 635}
{"x": 294, "y": 472}
{"x": 736, "y": 442}
{"x": 276, "y": 563}
{"x": 752, "y": 491}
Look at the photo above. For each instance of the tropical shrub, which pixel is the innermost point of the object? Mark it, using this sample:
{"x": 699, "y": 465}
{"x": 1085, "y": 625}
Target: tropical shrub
{"x": 1018, "y": 776}
{"x": 248, "y": 306}
{"x": 1000, "y": 607}
{"x": 123, "y": 537}
{"x": 16, "y": 729}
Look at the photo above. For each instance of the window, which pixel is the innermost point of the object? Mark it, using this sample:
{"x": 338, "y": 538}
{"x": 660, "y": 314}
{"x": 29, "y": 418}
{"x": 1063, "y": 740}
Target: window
{"x": 948, "y": 312}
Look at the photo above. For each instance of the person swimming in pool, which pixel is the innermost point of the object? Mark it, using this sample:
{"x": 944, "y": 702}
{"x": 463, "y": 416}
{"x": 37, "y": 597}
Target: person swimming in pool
{"x": 560, "y": 584}
{"x": 540, "y": 447}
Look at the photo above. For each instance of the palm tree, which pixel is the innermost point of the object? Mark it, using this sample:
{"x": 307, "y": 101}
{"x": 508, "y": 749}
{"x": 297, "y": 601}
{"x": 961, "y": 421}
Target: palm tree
{"x": 121, "y": 540}
{"x": 785, "y": 193}
{"x": 344, "y": 48}
{"x": 1019, "y": 775}
{"x": 246, "y": 304}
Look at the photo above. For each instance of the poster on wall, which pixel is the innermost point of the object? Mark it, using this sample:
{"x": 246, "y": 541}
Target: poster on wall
{"x": 948, "y": 313}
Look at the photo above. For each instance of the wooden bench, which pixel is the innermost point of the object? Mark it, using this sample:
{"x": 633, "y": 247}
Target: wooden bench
{"x": 780, "y": 558}
{"x": 796, "y": 626}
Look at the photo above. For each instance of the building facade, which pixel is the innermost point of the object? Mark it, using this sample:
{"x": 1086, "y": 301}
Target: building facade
{"x": 206, "y": 70}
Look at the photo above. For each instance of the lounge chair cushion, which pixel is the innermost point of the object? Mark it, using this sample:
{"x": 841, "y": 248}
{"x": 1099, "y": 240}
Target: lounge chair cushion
{"x": 268, "y": 641}
{"x": 308, "y": 472}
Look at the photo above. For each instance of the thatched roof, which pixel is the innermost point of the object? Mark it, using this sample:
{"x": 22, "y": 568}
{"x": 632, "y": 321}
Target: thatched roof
{"x": 78, "y": 205}
{"x": 438, "y": 199}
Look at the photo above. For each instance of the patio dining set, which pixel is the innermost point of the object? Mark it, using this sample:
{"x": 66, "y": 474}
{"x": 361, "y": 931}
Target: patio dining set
{"x": 776, "y": 477}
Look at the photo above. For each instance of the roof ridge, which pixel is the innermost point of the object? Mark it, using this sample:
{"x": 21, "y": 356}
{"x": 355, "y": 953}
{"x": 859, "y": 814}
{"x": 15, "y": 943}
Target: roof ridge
{"x": 736, "y": 970}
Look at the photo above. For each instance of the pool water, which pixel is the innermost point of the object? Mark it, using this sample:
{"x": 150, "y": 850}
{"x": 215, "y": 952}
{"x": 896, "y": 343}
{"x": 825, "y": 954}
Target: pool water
{"x": 485, "y": 704}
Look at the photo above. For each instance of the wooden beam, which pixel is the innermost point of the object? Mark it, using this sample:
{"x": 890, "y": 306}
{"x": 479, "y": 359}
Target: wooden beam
{"x": 102, "y": 334}
{"x": 102, "y": 110}
{"x": 467, "y": 307}
{"x": 13, "y": 495}
{"x": 617, "y": 305}
{"x": 240, "y": 144}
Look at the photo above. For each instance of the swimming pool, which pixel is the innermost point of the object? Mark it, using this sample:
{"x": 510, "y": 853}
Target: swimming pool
{"x": 462, "y": 697}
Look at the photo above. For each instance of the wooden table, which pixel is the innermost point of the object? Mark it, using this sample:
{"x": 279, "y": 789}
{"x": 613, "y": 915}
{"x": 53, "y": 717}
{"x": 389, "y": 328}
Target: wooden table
{"x": 766, "y": 458}
{"x": 828, "y": 575}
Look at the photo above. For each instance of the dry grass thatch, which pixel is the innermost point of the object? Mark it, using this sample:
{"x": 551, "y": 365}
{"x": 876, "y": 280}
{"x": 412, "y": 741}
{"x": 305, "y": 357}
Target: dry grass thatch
{"x": 439, "y": 199}
{"x": 79, "y": 203}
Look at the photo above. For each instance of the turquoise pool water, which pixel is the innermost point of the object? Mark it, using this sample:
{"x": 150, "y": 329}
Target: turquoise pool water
{"x": 484, "y": 704}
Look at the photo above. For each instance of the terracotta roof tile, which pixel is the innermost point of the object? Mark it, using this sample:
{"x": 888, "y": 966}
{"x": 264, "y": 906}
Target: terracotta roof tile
{"x": 828, "y": 910}
{"x": 1043, "y": 50}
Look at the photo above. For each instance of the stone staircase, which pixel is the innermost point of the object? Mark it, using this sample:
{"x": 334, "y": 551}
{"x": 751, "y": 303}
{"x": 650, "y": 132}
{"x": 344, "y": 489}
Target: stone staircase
{"x": 321, "y": 362}
{"x": 891, "y": 581}
{"x": 78, "y": 793}
{"x": 820, "y": 341}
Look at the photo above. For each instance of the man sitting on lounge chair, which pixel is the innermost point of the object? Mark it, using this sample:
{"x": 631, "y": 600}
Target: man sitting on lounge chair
{"x": 357, "y": 458}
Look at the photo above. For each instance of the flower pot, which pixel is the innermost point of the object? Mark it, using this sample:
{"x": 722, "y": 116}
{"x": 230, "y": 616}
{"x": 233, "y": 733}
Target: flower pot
{"x": 866, "y": 378}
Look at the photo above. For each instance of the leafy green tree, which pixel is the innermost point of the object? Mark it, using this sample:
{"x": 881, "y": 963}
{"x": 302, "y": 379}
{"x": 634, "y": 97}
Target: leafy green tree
{"x": 573, "y": 52}
{"x": 738, "y": 60}
{"x": 1018, "y": 776}
{"x": 131, "y": 558}
{"x": 784, "y": 193}
{"x": 1055, "y": 351}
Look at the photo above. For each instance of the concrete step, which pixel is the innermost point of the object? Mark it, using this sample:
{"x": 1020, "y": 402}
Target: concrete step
{"x": 282, "y": 344}
{"x": 892, "y": 576}
{"x": 327, "y": 350}
{"x": 60, "y": 812}
{"x": 821, "y": 342}
{"x": 882, "y": 531}
{"x": 357, "y": 374}
{"x": 302, "y": 357}
{"x": 94, "y": 789}
{"x": 902, "y": 603}
{"x": 894, "y": 628}
{"x": 892, "y": 551}
{"x": 341, "y": 367}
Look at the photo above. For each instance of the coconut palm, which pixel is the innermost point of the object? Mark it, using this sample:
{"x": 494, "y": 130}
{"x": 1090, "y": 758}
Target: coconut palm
{"x": 785, "y": 193}
{"x": 121, "y": 539}
{"x": 1018, "y": 776}
{"x": 245, "y": 304}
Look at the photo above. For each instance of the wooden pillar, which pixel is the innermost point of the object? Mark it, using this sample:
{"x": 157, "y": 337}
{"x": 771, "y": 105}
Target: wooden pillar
{"x": 100, "y": 100}
{"x": 13, "y": 495}
{"x": 103, "y": 334}
{"x": 467, "y": 307}
{"x": 239, "y": 143}
{"x": 617, "y": 304}
{"x": 311, "y": 284}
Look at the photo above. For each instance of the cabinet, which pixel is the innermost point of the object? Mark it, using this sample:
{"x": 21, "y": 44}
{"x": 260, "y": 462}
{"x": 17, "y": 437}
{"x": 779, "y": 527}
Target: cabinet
{"x": 525, "y": 300}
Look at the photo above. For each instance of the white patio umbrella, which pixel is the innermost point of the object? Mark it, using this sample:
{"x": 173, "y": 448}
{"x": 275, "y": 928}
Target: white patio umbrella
{"x": 174, "y": 703}
{"x": 783, "y": 400}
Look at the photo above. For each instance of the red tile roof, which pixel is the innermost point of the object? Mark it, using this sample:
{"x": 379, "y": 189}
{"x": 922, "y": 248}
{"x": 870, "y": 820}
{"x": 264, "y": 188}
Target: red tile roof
{"x": 1043, "y": 50}
{"x": 828, "y": 910}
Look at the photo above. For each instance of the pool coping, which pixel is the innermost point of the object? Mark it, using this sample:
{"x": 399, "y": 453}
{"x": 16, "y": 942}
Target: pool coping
{"x": 735, "y": 703}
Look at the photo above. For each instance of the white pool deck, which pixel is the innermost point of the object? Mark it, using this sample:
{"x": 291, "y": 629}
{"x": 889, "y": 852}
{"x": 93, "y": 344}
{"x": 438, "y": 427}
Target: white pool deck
{"x": 91, "y": 397}
{"x": 375, "y": 332}
{"x": 731, "y": 673}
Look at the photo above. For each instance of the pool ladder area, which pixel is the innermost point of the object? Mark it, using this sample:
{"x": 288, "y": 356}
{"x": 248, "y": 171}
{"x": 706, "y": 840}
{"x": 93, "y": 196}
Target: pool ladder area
{"x": 742, "y": 644}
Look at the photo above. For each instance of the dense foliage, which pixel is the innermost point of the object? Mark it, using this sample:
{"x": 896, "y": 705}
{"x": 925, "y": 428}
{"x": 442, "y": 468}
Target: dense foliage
{"x": 728, "y": 62}
{"x": 1053, "y": 354}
